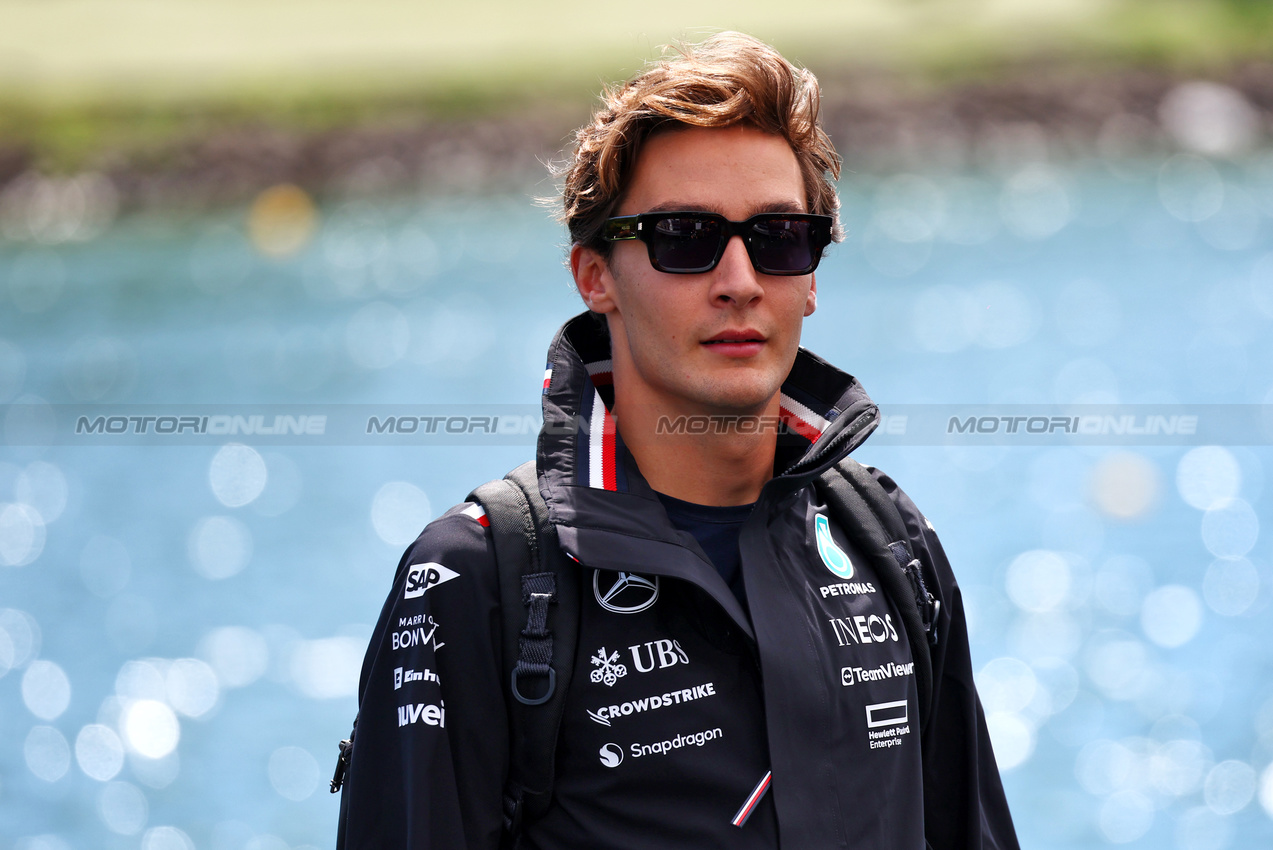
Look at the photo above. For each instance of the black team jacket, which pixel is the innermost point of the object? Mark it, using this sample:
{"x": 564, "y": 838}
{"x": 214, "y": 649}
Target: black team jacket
{"x": 681, "y": 700}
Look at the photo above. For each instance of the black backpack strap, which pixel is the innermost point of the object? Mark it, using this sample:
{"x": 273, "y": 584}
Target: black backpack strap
{"x": 874, "y": 523}
{"x": 539, "y": 600}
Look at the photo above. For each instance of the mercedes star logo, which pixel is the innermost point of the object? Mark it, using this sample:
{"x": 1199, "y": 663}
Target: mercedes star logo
{"x": 627, "y": 594}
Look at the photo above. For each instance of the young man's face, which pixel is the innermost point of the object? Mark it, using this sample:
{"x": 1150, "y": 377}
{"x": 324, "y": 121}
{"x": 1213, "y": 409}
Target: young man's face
{"x": 718, "y": 342}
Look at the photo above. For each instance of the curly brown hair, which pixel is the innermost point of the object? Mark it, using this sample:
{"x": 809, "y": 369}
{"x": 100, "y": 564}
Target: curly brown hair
{"x": 728, "y": 79}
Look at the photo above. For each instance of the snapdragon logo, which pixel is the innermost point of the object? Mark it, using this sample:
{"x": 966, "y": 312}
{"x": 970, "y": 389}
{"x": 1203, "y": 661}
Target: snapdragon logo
{"x": 611, "y": 755}
{"x": 662, "y": 748}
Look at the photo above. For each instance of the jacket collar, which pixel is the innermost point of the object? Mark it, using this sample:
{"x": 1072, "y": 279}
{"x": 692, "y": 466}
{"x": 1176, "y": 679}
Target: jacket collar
{"x": 825, "y": 413}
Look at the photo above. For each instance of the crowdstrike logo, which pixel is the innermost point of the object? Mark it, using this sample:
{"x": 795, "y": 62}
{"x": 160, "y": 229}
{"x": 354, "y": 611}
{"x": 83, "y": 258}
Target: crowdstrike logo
{"x": 606, "y": 713}
{"x": 832, "y": 555}
{"x": 629, "y": 593}
{"x": 422, "y": 577}
{"x": 611, "y": 755}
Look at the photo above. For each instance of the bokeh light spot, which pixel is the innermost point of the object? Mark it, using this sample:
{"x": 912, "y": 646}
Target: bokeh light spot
{"x": 237, "y": 475}
{"x": 1229, "y": 787}
{"x": 1011, "y": 737}
{"x": 238, "y": 655}
{"x": 1171, "y": 615}
{"x": 1125, "y": 485}
{"x": 282, "y": 220}
{"x": 123, "y": 808}
{"x": 1230, "y": 529}
{"x": 99, "y": 752}
{"x": 293, "y": 772}
{"x": 1231, "y": 586}
{"x": 191, "y": 687}
{"x": 150, "y": 728}
{"x": 47, "y": 754}
{"x": 1038, "y": 580}
{"x": 1126, "y": 816}
{"x": 1006, "y": 684}
{"x": 327, "y": 668}
{"x": 1207, "y": 476}
{"x": 46, "y": 690}
{"x": 166, "y": 838}
{"x": 399, "y": 511}
{"x": 22, "y": 534}
{"x": 220, "y": 547}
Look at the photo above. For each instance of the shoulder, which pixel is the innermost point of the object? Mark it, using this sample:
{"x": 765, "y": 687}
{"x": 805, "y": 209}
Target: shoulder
{"x": 920, "y": 531}
{"x": 455, "y": 546}
{"x": 916, "y": 521}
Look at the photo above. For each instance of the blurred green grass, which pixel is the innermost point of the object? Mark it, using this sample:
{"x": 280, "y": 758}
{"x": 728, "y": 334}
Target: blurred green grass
{"x": 81, "y": 76}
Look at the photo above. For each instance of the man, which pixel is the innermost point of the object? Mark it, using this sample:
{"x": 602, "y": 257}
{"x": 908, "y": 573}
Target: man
{"x": 741, "y": 678}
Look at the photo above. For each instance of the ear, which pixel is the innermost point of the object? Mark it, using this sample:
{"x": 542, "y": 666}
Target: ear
{"x": 811, "y": 302}
{"x": 592, "y": 278}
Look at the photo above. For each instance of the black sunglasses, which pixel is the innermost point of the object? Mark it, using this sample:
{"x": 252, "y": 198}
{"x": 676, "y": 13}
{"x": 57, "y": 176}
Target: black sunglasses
{"x": 693, "y": 242}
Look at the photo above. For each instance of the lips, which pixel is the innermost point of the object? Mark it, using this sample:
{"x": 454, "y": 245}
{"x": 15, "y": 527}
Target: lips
{"x": 735, "y": 336}
{"x": 742, "y": 343}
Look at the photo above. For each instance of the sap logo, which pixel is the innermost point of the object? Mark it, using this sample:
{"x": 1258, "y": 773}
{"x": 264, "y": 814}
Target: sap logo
{"x": 405, "y": 677}
{"x": 429, "y": 715}
{"x": 862, "y": 629}
{"x": 669, "y": 654}
{"x": 832, "y": 555}
{"x": 421, "y": 577}
{"x": 611, "y": 755}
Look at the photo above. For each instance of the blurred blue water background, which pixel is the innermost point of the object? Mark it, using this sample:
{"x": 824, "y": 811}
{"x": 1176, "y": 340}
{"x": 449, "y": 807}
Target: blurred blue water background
{"x": 182, "y": 626}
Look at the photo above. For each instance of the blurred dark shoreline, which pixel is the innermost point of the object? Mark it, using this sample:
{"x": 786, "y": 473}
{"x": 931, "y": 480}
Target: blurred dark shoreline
{"x": 880, "y": 122}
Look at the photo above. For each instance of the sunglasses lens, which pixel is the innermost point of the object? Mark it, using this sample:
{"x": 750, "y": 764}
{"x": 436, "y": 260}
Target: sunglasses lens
{"x": 686, "y": 243}
{"x": 783, "y": 245}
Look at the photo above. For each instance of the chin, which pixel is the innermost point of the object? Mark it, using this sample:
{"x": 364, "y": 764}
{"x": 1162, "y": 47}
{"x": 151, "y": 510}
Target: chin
{"x": 742, "y": 397}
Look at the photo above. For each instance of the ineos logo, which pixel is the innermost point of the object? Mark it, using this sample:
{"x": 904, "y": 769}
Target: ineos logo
{"x": 629, "y": 593}
{"x": 611, "y": 755}
{"x": 421, "y": 577}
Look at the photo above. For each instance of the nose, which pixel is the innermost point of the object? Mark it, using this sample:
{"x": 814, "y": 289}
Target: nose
{"x": 735, "y": 279}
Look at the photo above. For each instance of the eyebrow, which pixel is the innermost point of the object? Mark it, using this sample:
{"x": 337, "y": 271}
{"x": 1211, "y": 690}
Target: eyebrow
{"x": 771, "y": 207}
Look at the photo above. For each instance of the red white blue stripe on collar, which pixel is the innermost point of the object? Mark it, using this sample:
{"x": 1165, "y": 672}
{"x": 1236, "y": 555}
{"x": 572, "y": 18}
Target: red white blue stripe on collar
{"x": 599, "y": 450}
{"x": 601, "y": 372}
{"x": 801, "y": 419}
{"x": 548, "y": 377}
{"x": 602, "y": 454}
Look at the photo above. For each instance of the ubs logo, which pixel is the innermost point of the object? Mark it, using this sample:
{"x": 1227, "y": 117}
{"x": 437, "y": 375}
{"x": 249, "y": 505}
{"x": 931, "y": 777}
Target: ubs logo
{"x": 421, "y": 577}
{"x": 629, "y": 593}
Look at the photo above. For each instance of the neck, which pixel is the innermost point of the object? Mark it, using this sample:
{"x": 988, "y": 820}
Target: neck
{"x": 720, "y": 467}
